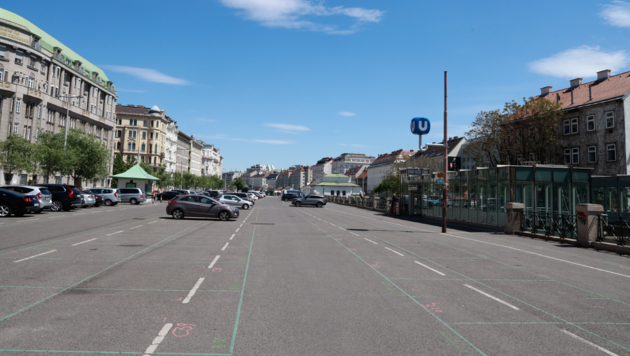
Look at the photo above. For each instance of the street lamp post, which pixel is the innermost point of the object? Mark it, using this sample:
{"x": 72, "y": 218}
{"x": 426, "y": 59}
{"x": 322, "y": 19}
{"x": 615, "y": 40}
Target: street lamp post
{"x": 67, "y": 96}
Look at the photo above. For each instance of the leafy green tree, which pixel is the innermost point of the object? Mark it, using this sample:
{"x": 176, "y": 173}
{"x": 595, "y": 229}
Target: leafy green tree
{"x": 16, "y": 154}
{"x": 51, "y": 157}
{"x": 239, "y": 184}
{"x": 119, "y": 167}
{"x": 91, "y": 157}
{"x": 131, "y": 161}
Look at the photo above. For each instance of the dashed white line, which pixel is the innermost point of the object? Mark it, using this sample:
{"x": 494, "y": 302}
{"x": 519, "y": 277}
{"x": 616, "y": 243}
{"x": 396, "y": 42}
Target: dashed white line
{"x": 396, "y": 252}
{"x": 110, "y": 210}
{"x": 589, "y": 343}
{"x": 231, "y": 237}
{"x": 84, "y": 242}
{"x": 224, "y": 247}
{"x": 332, "y": 224}
{"x": 152, "y": 222}
{"x": 341, "y": 227}
{"x": 192, "y": 291}
{"x": 492, "y": 297}
{"x": 237, "y": 229}
{"x": 28, "y": 258}
{"x": 114, "y": 233}
{"x": 425, "y": 266}
{"x": 135, "y": 227}
{"x": 151, "y": 349}
{"x": 353, "y": 233}
{"x": 376, "y": 243}
{"x": 214, "y": 261}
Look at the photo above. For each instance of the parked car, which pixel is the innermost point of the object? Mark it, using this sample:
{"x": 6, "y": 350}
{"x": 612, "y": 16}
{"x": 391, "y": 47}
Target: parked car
{"x": 235, "y": 201}
{"x": 88, "y": 200}
{"x": 244, "y": 196}
{"x": 168, "y": 195}
{"x": 316, "y": 200}
{"x": 111, "y": 196}
{"x": 214, "y": 194}
{"x": 200, "y": 206}
{"x": 252, "y": 196}
{"x": 18, "y": 204}
{"x": 132, "y": 196}
{"x": 288, "y": 196}
{"x": 99, "y": 200}
{"x": 43, "y": 195}
{"x": 64, "y": 197}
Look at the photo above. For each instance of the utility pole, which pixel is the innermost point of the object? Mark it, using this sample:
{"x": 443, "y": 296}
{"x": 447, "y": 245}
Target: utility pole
{"x": 445, "y": 193}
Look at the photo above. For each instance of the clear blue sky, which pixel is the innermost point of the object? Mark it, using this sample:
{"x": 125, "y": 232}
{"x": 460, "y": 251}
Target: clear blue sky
{"x": 287, "y": 82}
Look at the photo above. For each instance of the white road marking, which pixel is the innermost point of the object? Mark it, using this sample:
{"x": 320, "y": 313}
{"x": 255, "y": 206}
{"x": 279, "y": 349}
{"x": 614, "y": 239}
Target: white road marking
{"x": 490, "y": 243}
{"x": 214, "y": 261}
{"x": 114, "y": 233}
{"x": 84, "y": 242}
{"x": 492, "y": 297}
{"x": 231, "y": 237}
{"x": 396, "y": 252}
{"x": 425, "y": 266}
{"x": 237, "y": 229}
{"x": 152, "y": 222}
{"x": 332, "y": 224}
{"x": 341, "y": 227}
{"x": 589, "y": 343}
{"x": 224, "y": 247}
{"x": 353, "y": 233}
{"x": 192, "y": 291}
{"x": 28, "y": 258}
{"x": 110, "y": 210}
{"x": 376, "y": 243}
{"x": 135, "y": 227}
{"x": 151, "y": 349}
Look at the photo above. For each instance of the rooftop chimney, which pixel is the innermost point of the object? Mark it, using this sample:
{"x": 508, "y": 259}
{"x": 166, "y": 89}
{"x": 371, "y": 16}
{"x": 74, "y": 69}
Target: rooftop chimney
{"x": 545, "y": 90}
{"x": 603, "y": 75}
{"x": 576, "y": 82}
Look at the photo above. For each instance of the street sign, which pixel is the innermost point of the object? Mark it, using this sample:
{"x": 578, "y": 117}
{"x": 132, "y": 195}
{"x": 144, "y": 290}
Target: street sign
{"x": 440, "y": 181}
{"x": 440, "y": 175}
{"x": 413, "y": 187}
{"x": 420, "y": 126}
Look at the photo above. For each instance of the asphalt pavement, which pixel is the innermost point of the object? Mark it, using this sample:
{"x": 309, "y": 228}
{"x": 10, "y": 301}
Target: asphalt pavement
{"x": 282, "y": 280}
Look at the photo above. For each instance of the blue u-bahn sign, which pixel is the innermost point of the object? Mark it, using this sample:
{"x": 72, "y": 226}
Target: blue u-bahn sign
{"x": 420, "y": 126}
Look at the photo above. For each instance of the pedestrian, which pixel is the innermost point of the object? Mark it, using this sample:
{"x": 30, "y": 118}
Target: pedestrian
{"x": 161, "y": 197}
{"x": 153, "y": 197}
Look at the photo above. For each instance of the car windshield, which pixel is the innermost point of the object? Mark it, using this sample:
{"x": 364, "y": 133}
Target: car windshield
{"x": 10, "y": 192}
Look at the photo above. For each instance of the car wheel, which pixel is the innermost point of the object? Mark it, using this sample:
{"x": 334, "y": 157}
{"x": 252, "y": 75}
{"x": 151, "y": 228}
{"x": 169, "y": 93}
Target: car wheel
{"x": 5, "y": 211}
{"x": 56, "y": 206}
{"x": 245, "y": 206}
{"x": 298, "y": 204}
{"x": 319, "y": 205}
{"x": 224, "y": 216}
{"x": 133, "y": 202}
{"x": 38, "y": 211}
{"x": 108, "y": 202}
{"x": 178, "y": 214}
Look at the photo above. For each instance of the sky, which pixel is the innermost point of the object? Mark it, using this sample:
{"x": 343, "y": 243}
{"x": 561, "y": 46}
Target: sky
{"x": 287, "y": 82}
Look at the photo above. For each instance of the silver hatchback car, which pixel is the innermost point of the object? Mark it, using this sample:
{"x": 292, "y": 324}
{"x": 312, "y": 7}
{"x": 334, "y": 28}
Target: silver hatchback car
{"x": 111, "y": 196}
{"x": 233, "y": 200}
{"x": 45, "y": 197}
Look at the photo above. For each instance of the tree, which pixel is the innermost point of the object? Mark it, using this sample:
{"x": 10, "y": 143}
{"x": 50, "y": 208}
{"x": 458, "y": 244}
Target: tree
{"x": 51, "y": 156}
{"x": 239, "y": 184}
{"x": 119, "y": 167}
{"x": 131, "y": 161}
{"x": 91, "y": 157}
{"x": 16, "y": 154}
{"x": 516, "y": 133}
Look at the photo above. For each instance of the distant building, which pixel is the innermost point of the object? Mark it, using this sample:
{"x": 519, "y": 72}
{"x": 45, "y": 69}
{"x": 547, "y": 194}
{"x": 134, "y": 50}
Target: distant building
{"x": 141, "y": 131}
{"x": 183, "y": 152}
{"x": 382, "y": 165}
{"x": 261, "y": 167}
{"x": 349, "y": 160}
{"x": 229, "y": 177}
{"x": 170, "y": 146}
{"x": 300, "y": 177}
{"x": 211, "y": 160}
{"x": 435, "y": 152}
{"x": 323, "y": 167}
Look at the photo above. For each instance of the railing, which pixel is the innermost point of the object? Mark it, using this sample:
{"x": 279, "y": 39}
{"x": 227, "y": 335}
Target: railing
{"x": 369, "y": 202}
{"x": 381, "y": 204}
{"x": 550, "y": 224}
{"x": 618, "y": 230}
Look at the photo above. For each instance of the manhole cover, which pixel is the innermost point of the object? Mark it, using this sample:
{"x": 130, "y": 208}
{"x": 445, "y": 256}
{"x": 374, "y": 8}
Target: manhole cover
{"x": 262, "y": 223}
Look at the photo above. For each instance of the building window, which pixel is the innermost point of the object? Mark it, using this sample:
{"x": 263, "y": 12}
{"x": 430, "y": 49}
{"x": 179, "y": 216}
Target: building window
{"x": 144, "y": 135}
{"x": 575, "y": 155}
{"x": 16, "y": 128}
{"x": 31, "y": 82}
{"x": 592, "y": 154}
{"x": 610, "y": 119}
{"x": 133, "y": 146}
{"x": 118, "y": 145}
{"x": 134, "y": 134}
{"x": 19, "y": 56}
{"x": 128, "y": 145}
{"x": 567, "y": 127}
{"x": 18, "y": 105}
{"x": 143, "y": 147}
{"x": 611, "y": 152}
{"x": 144, "y": 123}
{"x": 3, "y": 52}
{"x": 119, "y": 133}
{"x": 567, "y": 156}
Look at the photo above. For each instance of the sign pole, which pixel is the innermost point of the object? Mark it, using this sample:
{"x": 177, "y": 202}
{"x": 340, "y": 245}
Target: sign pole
{"x": 445, "y": 193}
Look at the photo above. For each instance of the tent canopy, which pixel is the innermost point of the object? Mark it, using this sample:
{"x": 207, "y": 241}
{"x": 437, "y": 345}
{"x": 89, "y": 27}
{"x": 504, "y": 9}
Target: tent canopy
{"x": 135, "y": 172}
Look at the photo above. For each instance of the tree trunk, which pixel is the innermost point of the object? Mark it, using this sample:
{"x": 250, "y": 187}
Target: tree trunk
{"x": 8, "y": 177}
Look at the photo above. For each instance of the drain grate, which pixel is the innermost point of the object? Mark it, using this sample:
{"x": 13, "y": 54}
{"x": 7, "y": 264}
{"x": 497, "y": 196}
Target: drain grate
{"x": 262, "y": 223}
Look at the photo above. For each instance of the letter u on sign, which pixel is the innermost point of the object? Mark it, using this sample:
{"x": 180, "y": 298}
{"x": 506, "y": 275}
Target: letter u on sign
{"x": 420, "y": 126}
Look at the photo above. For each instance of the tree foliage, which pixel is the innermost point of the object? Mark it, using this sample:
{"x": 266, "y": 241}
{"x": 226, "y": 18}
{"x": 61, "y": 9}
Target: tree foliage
{"x": 90, "y": 157}
{"x": 515, "y": 133}
{"x": 17, "y": 154}
{"x": 239, "y": 184}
